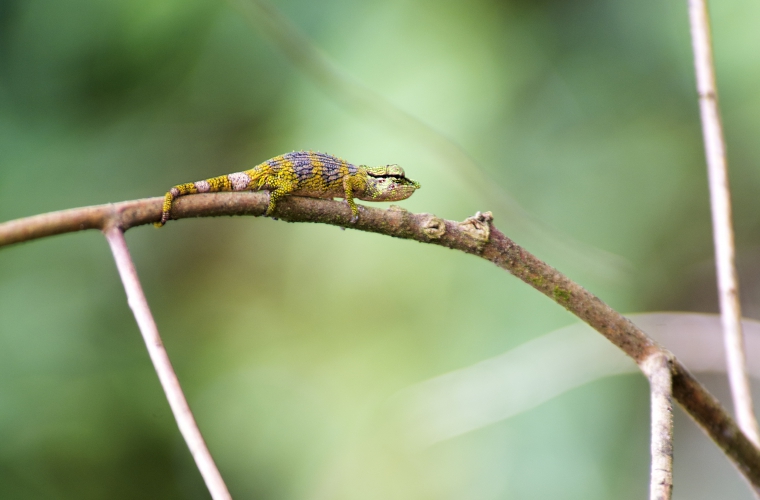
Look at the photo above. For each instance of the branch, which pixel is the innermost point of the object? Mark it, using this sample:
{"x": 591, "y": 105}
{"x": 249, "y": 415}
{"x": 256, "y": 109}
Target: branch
{"x": 163, "y": 366}
{"x": 723, "y": 233}
{"x": 657, "y": 369}
{"x": 475, "y": 236}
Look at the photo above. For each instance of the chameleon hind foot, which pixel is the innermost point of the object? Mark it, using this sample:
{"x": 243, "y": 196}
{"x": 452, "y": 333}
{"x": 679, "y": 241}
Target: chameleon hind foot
{"x": 270, "y": 205}
{"x": 354, "y": 211}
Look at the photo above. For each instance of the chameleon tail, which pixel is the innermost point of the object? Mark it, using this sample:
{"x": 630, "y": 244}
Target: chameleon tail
{"x": 254, "y": 179}
{"x": 222, "y": 183}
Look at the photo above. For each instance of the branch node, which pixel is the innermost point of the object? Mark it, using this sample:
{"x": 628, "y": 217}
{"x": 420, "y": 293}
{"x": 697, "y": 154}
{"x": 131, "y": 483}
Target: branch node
{"x": 655, "y": 362}
{"x": 433, "y": 227}
{"x": 478, "y": 228}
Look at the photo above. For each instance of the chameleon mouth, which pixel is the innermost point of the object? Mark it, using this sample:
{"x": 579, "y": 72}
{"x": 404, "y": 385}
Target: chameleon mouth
{"x": 387, "y": 176}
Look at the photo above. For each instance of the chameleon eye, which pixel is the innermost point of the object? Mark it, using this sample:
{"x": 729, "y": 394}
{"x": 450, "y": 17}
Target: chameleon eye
{"x": 386, "y": 171}
{"x": 395, "y": 171}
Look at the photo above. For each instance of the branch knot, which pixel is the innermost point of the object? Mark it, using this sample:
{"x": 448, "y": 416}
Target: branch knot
{"x": 478, "y": 228}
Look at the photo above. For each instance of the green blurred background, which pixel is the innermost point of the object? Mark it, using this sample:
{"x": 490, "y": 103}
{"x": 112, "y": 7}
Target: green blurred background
{"x": 290, "y": 339}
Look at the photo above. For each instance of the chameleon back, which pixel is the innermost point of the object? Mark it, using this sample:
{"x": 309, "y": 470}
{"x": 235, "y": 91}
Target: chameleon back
{"x": 312, "y": 172}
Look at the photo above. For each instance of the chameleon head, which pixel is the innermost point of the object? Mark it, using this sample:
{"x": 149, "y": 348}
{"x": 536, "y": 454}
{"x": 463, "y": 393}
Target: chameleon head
{"x": 388, "y": 183}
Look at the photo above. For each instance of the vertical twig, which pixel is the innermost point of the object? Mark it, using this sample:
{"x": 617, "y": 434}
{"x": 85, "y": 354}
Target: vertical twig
{"x": 160, "y": 359}
{"x": 657, "y": 368}
{"x": 723, "y": 232}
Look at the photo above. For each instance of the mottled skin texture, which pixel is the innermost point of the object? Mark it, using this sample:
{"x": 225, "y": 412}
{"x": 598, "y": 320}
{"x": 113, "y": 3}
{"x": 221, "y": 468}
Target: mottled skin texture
{"x": 306, "y": 173}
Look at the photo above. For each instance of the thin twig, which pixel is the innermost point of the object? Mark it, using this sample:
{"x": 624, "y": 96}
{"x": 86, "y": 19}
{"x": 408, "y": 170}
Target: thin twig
{"x": 475, "y": 236}
{"x": 723, "y": 233}
{"x": 163, "y": 366}
{"x": 657, "y": 369}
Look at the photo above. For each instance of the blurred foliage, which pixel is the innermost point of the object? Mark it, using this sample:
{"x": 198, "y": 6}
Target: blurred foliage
{"x": 289, "y": 339}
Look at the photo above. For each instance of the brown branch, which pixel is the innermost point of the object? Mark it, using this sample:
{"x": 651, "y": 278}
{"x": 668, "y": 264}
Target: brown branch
{"x": 474, "y": 236}
{"x": 166, "y": 375}
{"x": 657, "y": 369}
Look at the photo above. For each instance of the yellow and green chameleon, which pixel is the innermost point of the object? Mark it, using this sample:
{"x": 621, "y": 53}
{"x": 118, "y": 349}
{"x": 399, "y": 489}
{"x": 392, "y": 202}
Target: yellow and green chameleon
{"x": 306, "y": 173}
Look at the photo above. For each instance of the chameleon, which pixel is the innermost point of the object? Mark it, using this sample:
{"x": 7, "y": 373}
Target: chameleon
{"x": 306, "y": 173}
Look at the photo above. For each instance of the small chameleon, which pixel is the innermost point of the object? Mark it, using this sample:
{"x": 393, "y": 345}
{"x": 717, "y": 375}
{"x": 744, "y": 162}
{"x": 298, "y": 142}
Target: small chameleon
{"x": 306, "y": 173}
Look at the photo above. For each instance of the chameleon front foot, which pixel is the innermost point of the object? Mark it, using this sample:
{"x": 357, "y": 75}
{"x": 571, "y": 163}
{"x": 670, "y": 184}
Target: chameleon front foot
{"x": 354, "y": 210}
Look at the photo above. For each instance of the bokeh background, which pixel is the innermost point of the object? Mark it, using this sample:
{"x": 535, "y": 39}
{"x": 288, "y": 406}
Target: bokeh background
{"x": 290, "y": 339}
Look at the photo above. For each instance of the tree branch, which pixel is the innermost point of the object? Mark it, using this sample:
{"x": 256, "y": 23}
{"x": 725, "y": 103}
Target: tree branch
{"x": 475, "y": 236}
{"x": 723, "y": 232}
{"x": 657, "y": 369}
{"x": 181, "y": 410}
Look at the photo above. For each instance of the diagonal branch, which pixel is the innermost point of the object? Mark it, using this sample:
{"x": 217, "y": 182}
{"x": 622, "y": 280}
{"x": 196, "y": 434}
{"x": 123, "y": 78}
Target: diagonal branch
{"x": 723, "y": 233}
{"x": 475, "y": 236}
{"x": 163, "y": 366}
{"x": 657, "y": 369}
